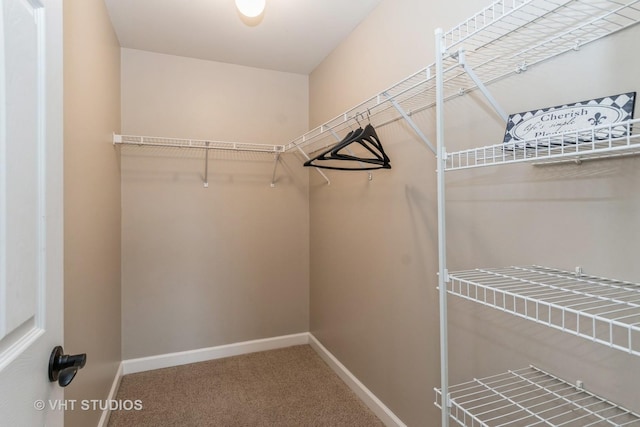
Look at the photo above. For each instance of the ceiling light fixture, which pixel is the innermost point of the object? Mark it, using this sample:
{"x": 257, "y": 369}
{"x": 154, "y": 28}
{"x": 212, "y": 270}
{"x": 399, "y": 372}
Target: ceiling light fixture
{"x": 251, "y": 8}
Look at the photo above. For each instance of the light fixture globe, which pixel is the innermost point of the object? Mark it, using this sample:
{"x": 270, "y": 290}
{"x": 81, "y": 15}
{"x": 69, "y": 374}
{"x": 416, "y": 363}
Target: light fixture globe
{"x": 251, "y": 8}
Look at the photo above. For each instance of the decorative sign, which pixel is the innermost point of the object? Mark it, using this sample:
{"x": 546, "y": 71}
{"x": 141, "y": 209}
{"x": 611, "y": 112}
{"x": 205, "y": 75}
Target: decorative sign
{"x": 551, "y": 121}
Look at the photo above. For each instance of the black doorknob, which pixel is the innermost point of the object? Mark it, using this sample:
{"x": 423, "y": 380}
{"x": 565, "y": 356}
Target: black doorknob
{"x": 63, "y": 367}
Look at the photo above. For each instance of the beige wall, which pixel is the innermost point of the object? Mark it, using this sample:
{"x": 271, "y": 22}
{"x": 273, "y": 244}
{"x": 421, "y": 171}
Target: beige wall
{"x": 395, "y": 40}
{"x": 91, "y": 202}
{"x": 211, "y": 266}
{"x": 373, "y": 244}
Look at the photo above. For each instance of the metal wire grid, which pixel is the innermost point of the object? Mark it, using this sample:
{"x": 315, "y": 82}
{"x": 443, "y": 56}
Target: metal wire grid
{"x": 597, "y": 142}
{"x": 509, "y": 36}
{"x": 602, "y": 310}
{"x": 504, "y": 38}
{"x": 415, "y": 93}
{"x": 481, "y": 20}
{"x": 550, "y": 20}
{"x": 195, "y": 143}
{"x": 531, "y": 397}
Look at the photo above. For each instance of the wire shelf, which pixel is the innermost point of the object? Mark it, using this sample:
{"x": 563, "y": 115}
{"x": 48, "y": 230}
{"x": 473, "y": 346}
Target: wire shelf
{"x": 601, "y": 310}
{"x": 415, "y": 93}
{"x": 152, "y": 141}
{"x": 502, "y": 39}
{"x": 602, "y": 141}
{"x": 531, "y": 397}
{"x": 511, "y": 35}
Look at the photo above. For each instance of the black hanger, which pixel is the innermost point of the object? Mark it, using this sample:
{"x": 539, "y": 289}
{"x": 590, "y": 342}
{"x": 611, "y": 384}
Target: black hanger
{"x": 348, "y": 139}
{"x": 368, "y": 139}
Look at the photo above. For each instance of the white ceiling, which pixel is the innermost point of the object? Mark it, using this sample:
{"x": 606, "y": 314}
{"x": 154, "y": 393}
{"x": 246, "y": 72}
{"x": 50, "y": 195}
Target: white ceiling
{"x": 291, "y": 35}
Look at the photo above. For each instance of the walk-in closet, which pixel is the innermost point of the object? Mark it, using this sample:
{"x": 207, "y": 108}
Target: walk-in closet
{"x": 443, "y": 205}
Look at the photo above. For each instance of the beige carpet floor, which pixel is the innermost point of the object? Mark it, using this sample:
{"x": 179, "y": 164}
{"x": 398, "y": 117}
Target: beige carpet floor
{"x": 285, "y": 387}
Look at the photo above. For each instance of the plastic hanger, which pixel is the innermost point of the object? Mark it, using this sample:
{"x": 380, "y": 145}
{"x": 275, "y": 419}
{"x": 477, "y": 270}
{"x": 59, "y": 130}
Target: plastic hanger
{"x": 366, "y": 138}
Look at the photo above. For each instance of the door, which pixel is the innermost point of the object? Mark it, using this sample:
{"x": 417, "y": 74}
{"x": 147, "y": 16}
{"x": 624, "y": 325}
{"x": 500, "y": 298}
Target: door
{"x": 30, "y": 210}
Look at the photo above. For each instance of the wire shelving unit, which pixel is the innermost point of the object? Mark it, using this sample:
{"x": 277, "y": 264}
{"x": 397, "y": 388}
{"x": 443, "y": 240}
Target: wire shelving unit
{"x": 507, "y": 38}
{"x": 532, "y": 397}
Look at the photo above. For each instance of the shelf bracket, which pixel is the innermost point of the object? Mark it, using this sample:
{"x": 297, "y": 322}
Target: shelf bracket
{"x": 319, "y": 171}
{"x": 463, "y": 63}
{"x": 206, "y": 166}
{"x": 411, "y": 123}
{"x": 275, "y": 166}
{"x": 335, "y": 135}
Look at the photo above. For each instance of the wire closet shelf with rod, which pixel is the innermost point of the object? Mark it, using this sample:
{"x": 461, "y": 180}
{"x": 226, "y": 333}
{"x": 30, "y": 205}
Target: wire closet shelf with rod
{"x": 503, "y": 39}
{"x": 400, "y": 101}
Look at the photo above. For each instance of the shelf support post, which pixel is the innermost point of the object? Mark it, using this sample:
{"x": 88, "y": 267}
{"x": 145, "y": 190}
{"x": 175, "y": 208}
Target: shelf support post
{"x": 275, "y": 166}
{"x": 413, "y": 125}
{"x": 442, "y": 242}
{"x": 319, "y": 171}
{"x": 206, "y": 166}
{"x": 467, "y": 69}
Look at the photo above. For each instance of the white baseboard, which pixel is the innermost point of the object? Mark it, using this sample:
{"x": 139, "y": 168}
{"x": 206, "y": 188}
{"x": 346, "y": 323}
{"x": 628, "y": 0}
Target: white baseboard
{"x": 380, "y": 409}
{"x": 104, "y": 418}
{"x": 142, "y": 364}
